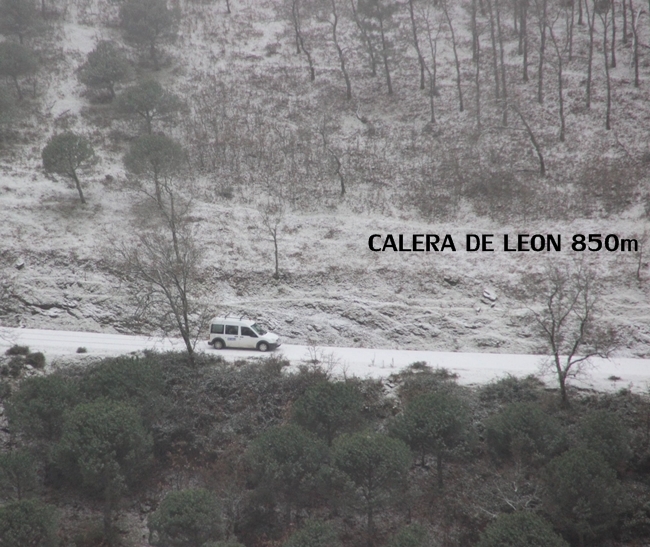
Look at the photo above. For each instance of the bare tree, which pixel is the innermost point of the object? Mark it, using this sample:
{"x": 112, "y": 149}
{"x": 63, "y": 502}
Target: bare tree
{"x": 533, "y": 140}
{"x": 272, "y": 218}
{"x": 591, "y": 21}
{"x": 541, "y": 7}
{"x": 164, "y": 271}
{"x": 523, "y": 37}
{"x": 636, "y": 15}
{"x": 433, "y": 71}
{"x": 334, "y": 21}
{"x": 568, "y": 321}
{"x": 504, "y": 114}
{"x": 366, "y": 38}
{"x": 495, "y": 62}
{"x": 613, "y": 3}
{"x": 603, "y": 15}
{"x": 559, "y": 52}
{"x": 163, "y": 261}
{"x": 445, "y": 10}
{"x": 416, "y": 42}
{"x": 300, "y": 37}
{"x": 378, "y": 18}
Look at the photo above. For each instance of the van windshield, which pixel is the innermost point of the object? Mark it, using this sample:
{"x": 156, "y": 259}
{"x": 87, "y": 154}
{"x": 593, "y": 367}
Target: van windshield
{"x": 258, "y": 329}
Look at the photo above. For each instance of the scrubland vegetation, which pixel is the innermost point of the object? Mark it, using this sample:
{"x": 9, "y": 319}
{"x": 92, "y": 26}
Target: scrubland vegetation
{"x": 157, "y": 449}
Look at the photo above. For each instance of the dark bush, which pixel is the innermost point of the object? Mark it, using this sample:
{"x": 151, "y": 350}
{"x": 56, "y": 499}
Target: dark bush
{"x": 413, "y": 535}
{"x": 17, "y": 350}
{"x": 329, "y": 408}
{"x": 314, "y": 533}
{"x": 511, "y": 389}
{"x": 604, "y": 432}
{"x": 519, "y": 530}
{"x": 28, "y": 522}
{"x": 525, "y": 433}
{"x": 38, "y": 406}
{"x": 37, "y": 360}
{"x": 582, "y": 496}
{"x": 16, "y": 365}
{"x": 187, "y": 518}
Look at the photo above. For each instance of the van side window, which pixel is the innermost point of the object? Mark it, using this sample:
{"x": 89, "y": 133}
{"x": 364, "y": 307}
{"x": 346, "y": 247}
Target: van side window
{"x": 216, "y": 329}
{"x": 232, "y": 329}
{"x": 245, "y": 331}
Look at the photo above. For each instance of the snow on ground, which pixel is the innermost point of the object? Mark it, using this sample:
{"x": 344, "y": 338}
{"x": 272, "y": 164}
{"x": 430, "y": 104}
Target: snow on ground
{"x": 471, "y": 368}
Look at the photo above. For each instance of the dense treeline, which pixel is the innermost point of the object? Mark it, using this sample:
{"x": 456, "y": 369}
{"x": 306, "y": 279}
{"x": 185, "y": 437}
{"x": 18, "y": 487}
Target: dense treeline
{"x": 250, "y": 454}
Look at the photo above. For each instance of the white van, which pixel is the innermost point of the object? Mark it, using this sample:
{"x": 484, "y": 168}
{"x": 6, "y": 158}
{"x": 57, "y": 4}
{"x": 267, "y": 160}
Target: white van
{"x": 241, "y": 333}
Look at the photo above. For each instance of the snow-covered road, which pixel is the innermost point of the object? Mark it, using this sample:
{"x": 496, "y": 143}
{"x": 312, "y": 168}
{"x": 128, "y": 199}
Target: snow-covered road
{"x": 472, "y": 368}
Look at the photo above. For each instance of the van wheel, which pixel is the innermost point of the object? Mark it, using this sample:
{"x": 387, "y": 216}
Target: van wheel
{"x": 263, "y": 346}
{"x": 218, "y": 344}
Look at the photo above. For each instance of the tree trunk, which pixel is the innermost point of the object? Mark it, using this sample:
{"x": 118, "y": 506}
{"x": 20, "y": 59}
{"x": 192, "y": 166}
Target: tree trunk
{"x": 495, "y": 65}
{"x": 559, "y": 83}
{"x": 478, "y": 84}
{"x": 624, "y": 6}
{"x": 573, "y": 10}
{"x": 542, "y": 50}
{"x": 276, "y": 275}
{"x": 591, "y": 19}
{"x": 533, "y": 140}
{"x": 635, "y": 37}
{"x": 439, "y": 468}
{"x": 365, "y": 39}
{"x": 614, "y": 33}
{"x": 453, "y": 43}
{"x": 523, "y": 33}
{"x": 608, "y": 112}
{"x": 78, "y": 185}
{"x": 346, "y": 76}
{"x": 18, "y": 90}
{"x": 301, "y": 40}
{"x": 416, "y": 44}
{"x": 504, "y": 89}
{"x": 384, "y": 54}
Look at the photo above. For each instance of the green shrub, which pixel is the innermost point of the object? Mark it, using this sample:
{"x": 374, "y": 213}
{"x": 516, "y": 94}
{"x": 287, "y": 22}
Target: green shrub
{"x": 187, "y": 518}
{"x": 132, "y": 380}
{"x": 329, "y": 408}
{"x": 605, "y": 433}
{"x": 27, "y": 523}
{"x": 17, "y": 350}
{"x": 523, "y": 432}
{"x": 377, "y": 465}
{"x": 413, "y": 535}
{"x": 582, "y": 495}
{"x": 16, "y": 365}
{"x": 37, "y": 360}
{"x": 314, "y": 533}
{"x": 421, "y": 379}
{"x": 102, "y": 443}
{"x": 520, "y": 530}
{"x": 431, "y": 424}
{"x": 285, "y": 461}
{"x": 38, "y": 406}
{"x": 17, "y": 474}
{"x": 511, "y": 389}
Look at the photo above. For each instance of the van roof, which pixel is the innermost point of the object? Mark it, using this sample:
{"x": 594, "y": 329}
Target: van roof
{"x": 233, "y": 321}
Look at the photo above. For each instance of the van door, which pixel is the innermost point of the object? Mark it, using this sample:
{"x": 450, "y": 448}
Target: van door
{"x": 248, "y": 338}
{"x": 232, "y": 336}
